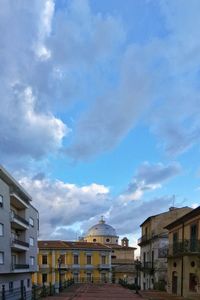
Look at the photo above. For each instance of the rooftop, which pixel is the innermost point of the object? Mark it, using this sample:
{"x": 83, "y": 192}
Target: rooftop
{"x": 70, "y": 245}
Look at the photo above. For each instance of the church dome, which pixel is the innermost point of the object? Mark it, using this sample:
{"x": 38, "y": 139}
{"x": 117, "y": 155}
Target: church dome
{"x": 101, "y": 229}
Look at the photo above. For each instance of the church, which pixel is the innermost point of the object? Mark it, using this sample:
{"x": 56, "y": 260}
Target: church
{"x": 122, "y": 256}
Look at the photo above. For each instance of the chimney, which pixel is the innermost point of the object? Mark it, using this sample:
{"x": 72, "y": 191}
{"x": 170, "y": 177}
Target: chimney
{"x": 124, "y": 242}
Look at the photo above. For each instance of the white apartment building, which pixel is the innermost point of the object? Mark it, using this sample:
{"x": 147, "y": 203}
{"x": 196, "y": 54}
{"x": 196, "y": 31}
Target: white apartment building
{"x": 19, "y": 225}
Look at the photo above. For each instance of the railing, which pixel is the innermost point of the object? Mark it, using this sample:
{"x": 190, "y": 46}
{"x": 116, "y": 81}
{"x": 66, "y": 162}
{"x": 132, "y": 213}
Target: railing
{"x": 20, "y": 243}
{"x": 104, "y": 266}
{"x": 17, "y": 217}
{"x": 147, "y": 265}
{"x": 163, "y": 252}
{"x": 13, "y": 294}
{"x": 184, "y": 247}
{"x": 148, "y": 237}
{"x": 20, "y": 266}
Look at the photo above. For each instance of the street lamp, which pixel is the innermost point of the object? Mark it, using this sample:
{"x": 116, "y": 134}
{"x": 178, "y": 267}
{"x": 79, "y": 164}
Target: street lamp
{"x": 138, "y": 268}
{"x": 59, "y": 271}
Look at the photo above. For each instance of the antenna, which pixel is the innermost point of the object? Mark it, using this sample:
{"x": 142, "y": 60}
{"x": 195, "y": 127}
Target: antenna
{"x": 173, "y": 200}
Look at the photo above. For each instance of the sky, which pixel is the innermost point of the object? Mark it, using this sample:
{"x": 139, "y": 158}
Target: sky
{"x": 100, "y": 109}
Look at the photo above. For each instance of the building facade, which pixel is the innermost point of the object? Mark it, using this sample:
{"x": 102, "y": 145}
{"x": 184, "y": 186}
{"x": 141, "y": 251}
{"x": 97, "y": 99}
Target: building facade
{"x": 122, "y": 259}
{"x": 19, "y": 223}
{"x": 184, "y": 256}
{"x": 154, "y": 248}
{"x": 82, "y": 261}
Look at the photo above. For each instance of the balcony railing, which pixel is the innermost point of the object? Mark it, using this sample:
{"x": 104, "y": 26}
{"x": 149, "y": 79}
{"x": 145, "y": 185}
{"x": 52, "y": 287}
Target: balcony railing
{"x": 184, "y": 247}
{"x": 147, "y": 265}
{"x": 20, "y": 243}
{"x": 104, "y": 266}
{"x": 146, "y": 238}
{"x": 20, "y": 266}
{"x": 19, "y": 218}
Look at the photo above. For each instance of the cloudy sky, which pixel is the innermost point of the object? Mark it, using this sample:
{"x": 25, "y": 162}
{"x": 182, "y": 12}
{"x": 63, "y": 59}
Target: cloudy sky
{"x": 100, "y": 109}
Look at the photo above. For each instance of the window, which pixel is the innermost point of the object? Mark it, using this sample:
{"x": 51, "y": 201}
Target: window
{"x": 107, "y": 240}
{"x": 1, "y": 201}
{"x": 76, "y": 277}
{"x": 1, "y": 229}
{"x": 89, "y": 277}
{"x": 44, "y": 278}
{"x": 94, "y": 240}
{"x": 62, "y": 256}
{"x": 31, "y": 222}
{"x": 89, "y": 260}
{"x": 32, "y": 260}
{"x": 44, "y": 259}
{"x": 11, "y": 286}
{"x": 28, "y": 283}
{"x": 31, "y": 241}
{"x": 193, "y": 282}
{"x": 193, "y": 237}
{"x": 103, "y": 259}
{"x": 1, "y": 258}
{"x": 75, "y": 259}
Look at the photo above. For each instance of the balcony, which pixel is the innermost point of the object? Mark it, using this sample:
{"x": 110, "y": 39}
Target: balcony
{"x": 185, "y": 247}
{"x": 145, "y": 239}
{"x": 104, "y": 266}
{"x": 18, "y": 268}
{"x": 63, "y": 267}
{"x": 75, "y": 266}
{"x": 147, "y": 266}
{"x": 18, "y": 222}
{"x": 18, "y": 202}
{"x": 89, "y": 267}
{"x": 19, "y": 245}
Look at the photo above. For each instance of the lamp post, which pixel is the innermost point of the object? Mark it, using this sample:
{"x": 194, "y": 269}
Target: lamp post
{"x": 138, "y": 268}
{"x": 59, "y": 272}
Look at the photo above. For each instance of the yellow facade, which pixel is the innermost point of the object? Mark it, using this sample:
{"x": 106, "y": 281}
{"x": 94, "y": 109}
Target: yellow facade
{"x": 81, "y": 261}
{"x": 184, "y": 256}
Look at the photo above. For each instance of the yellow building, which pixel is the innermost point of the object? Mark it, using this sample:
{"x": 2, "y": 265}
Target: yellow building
{"x": 184, "y": 255}
{"x": 83, "y": 261}
{"x": 122, "y": 258}
{"x": 153, "y": 248}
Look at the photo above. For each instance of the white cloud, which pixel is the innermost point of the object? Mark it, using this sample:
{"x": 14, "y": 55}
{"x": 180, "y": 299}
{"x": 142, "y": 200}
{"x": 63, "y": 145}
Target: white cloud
{"x": 62, "y": 204}
{"x": 149, "y": 177}
{"x": 41, "y": 70}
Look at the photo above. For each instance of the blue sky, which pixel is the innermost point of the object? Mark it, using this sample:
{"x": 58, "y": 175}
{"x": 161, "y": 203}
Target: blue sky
{"x": 100, "y": 109}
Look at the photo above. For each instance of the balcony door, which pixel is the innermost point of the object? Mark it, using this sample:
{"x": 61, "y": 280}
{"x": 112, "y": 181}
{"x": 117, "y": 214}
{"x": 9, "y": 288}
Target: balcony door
{"x": 193, "y": 237}
{"x": 175, "y": 243}
{"x": 174, "y": 283}
{"x": 14, "y": 260}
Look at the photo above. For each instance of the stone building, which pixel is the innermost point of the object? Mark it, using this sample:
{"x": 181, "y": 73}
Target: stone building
{"x": 154, "y": 247}
{"x": 184, "y": 255}
{"x": 18, "y": 238}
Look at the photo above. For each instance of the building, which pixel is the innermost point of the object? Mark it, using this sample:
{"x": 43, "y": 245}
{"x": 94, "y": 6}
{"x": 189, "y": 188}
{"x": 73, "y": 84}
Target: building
{"x": 83, "y": 261}
{"x": 184, "y": 255}
{"x": 18, "y": 237}
{"x": 154, "y": 246}
{"x": 122, "y": 258}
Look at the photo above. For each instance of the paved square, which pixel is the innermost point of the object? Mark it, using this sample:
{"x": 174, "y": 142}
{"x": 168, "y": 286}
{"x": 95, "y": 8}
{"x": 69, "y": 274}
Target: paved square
{"x": 97, "y": 292}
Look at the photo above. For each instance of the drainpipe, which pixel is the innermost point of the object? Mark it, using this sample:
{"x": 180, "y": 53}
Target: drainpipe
{"x": 182, "y": 260}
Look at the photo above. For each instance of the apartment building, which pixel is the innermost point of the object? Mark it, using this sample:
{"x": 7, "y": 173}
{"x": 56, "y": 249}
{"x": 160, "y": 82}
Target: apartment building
{"x": 154, "y": 248}
{"x": 184, "y": 255}
{"x": 18, "y": 237}
{"x": 82, "y": 261}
